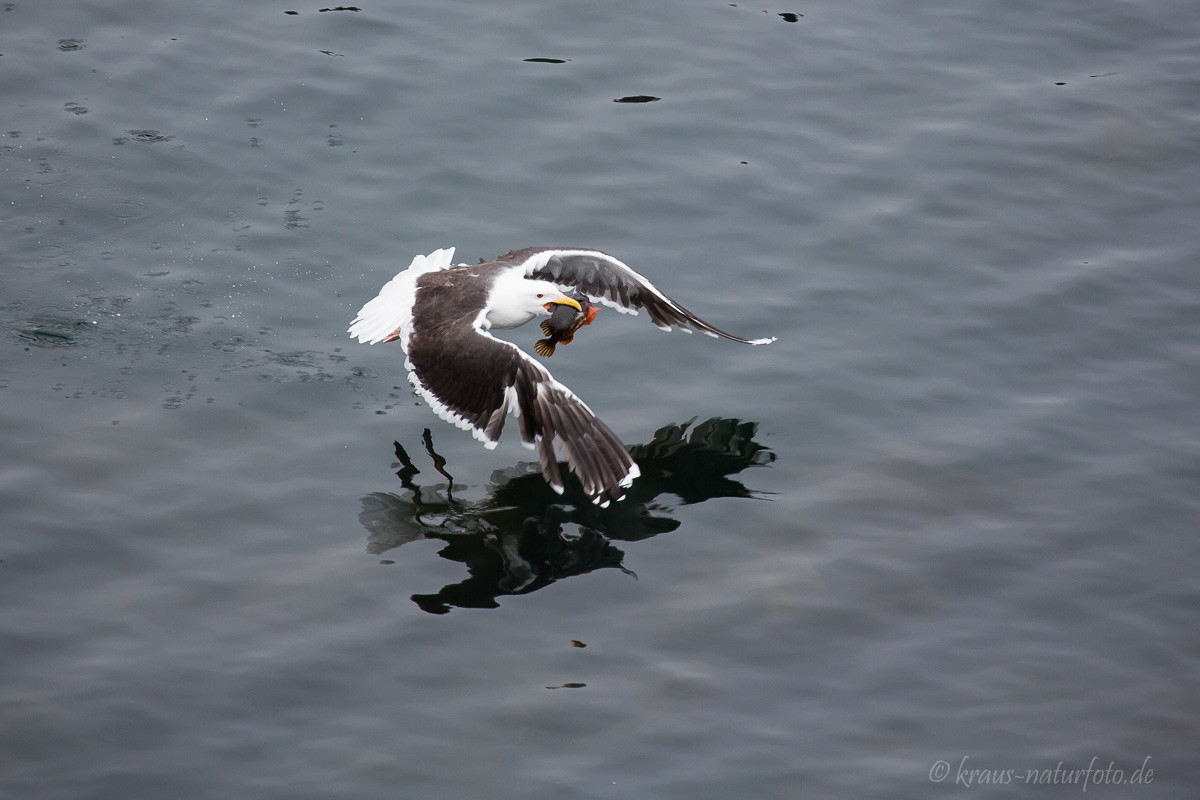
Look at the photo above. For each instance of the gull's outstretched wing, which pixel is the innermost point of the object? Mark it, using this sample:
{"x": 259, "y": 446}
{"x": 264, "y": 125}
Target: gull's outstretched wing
{"x": 473, "y": 380}
{"x": 611, "y": 282}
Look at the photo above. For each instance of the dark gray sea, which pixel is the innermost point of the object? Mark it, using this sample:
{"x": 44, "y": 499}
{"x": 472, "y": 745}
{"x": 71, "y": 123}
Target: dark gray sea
{"x": 939, "y": 540}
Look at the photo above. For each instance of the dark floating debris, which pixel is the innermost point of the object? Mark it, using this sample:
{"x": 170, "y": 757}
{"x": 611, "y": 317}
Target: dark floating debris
{"x": 568, "y": 686}
{"x": 637, "y": 98}
{"x": 149, "y": 136}
{"x": 577, "y": 643}
{"x": 339, "y": 8}
{"x": 546, "y": 60}
{"x": 44, "y": 336}
{"x": 291, "y": 13}
{"x": 331, "y": 53}
{"x": 789, "y": 16}
{"x": 68, "y": 45}
{"x": 1060, "y": 83}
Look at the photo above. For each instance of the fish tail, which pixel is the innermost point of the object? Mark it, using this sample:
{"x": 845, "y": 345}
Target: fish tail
{"x": 543, "y": 347}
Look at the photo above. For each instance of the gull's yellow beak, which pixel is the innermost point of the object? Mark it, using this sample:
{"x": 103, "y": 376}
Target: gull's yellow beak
{"x": 562, "y": 300}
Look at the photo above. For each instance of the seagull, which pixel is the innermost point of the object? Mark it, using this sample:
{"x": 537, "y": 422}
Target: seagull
{"x": 441, "y": 313}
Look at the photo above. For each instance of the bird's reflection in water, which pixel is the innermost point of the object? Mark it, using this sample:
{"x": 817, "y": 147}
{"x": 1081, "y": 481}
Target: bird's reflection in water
{"x": 522, "y": 536}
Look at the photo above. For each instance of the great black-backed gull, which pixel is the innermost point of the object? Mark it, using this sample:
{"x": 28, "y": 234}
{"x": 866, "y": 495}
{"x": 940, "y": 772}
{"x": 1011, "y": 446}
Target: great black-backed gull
{"x": 440, "y": 313}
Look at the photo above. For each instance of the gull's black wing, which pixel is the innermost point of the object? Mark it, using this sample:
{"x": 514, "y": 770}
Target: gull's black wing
{"x": 609, "y": 281}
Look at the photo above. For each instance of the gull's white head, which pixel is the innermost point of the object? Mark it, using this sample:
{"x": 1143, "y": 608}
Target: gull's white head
{"x": 515, "y": 300}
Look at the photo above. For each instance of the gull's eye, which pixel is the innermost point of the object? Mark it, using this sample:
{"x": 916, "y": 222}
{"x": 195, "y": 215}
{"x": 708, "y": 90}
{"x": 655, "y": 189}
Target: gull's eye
{"x": 540, "y": 296}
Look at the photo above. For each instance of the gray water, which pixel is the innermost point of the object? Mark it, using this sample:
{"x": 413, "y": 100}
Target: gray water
{"x": 941, "y": 534}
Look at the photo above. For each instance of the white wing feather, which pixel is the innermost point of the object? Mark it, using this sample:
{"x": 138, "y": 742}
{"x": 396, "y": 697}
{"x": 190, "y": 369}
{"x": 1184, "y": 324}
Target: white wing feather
{"x": 391, "y": 309}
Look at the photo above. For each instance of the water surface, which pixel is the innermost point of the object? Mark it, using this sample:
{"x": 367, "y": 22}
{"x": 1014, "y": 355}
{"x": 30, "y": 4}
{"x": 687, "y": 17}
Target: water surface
{"x": 947, "y": 519}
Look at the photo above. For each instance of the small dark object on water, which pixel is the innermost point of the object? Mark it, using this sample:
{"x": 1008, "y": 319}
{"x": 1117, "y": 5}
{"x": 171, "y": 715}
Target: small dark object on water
{"x": 561, "y": 327}
{"x": 637, "y": 98}
{"x": 45, "y": 336}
